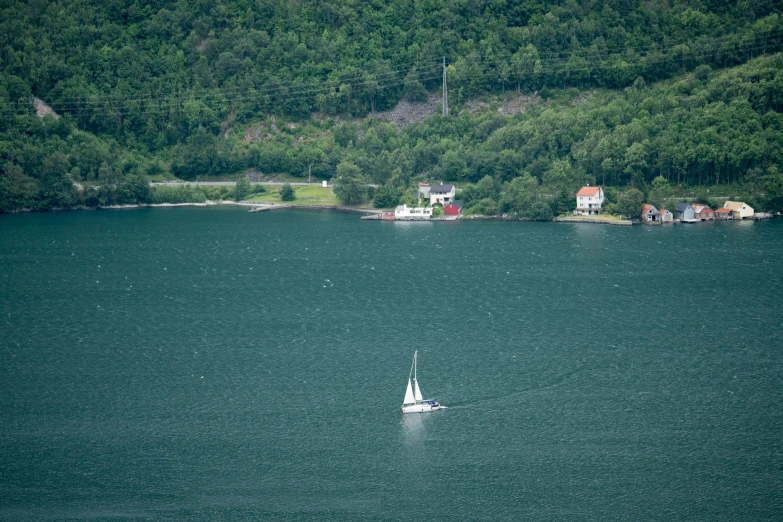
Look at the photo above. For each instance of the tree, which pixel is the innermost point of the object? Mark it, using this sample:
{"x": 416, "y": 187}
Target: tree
{"x": 520, "y": 195}
{"x": 540, "y": 211}
{"x": 311, "y": 155}
{"x": 773, "y": 184}
{"x": 523, "y": 65}
{"x": 561, "y": 176}
{"x": 350, "y": 185}
{"x": 636, "y": 163}
{"x": 508, "y": 164}
{"x": 287, "y": 193}
{"x": 659, "y": 191}
{"x": 564, "y": 203}
{"x": 242, "y": 188}
{"x": 387, "y": 197}
{"x": 453, "y": 165}
{"x": 136, "y": 189}
{"x": 199, "y": 155}
{"x": 629, "y": 202}
{"x": 487, "y": 187}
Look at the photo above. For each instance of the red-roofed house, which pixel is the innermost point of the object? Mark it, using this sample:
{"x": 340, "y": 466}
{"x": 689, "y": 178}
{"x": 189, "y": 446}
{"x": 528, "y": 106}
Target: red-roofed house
{"x": 589, "y": 200}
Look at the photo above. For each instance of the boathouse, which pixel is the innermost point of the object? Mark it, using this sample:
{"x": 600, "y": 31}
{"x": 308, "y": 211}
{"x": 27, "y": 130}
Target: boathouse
{"x": 666, "y": 216}
{"x": 650, "y": 215}
{"x": 453, "y": 209}
{"x": 686, "y": 213}
{"x": 724, "y": 214}
{"x": 703, "y": 212}
{"x": 589, "y": 200}
{"x": 740, "y": 209}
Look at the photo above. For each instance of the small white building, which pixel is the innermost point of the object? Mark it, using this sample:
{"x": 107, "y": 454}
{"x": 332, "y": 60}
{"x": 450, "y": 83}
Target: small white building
{"x": 443, "y": 194}
{"x": 406, "y": 212}
{"x": 589, "y": 200}
{"x": 739, "y": 209}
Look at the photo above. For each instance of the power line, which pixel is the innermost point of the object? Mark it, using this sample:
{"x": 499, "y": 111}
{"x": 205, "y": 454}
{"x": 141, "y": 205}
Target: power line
{"x": 291, "y": 90}
{"x": 297, "y": 91}
{"x": 342, "y": 78}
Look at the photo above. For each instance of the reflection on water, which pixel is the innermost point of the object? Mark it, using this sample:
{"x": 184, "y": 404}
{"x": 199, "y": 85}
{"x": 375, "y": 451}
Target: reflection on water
{"x": 412, "y": 224}
{"x": 413, "y": 427}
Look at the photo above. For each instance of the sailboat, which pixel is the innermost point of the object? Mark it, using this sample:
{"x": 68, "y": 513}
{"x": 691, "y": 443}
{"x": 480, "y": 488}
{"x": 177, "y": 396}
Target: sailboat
{"x": 414, "y": 402}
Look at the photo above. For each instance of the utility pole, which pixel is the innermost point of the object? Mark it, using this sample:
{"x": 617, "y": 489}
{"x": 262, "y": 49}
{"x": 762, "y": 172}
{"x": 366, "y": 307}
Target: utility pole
{"x": 445, "y": 91}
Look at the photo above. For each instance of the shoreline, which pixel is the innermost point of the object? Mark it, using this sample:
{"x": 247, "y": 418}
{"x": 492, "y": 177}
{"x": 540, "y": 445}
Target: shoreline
{"x": 208, "y": 203}
{"x": 263, "y": 206}
{"x": 598, "y": 221}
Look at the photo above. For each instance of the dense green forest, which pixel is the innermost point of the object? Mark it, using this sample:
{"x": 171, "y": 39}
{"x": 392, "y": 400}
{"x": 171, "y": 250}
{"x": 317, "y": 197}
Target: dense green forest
{"x": 659, "y": 95}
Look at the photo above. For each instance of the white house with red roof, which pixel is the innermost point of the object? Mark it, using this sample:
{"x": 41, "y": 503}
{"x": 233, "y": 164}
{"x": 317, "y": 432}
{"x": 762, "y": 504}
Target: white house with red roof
{"x": 589, "y": 200}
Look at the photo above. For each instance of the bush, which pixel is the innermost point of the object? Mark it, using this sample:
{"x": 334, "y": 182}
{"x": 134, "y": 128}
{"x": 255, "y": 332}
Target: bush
{"x": 287, "y": 193}
{"x": 386, "y": 197}
{"x": 241, "y": 189}
{"x": 541, "y": 211}
{"x": 629, "y": 203}
{"x": 164, "y": 194}
{"x": 485, "y": 207}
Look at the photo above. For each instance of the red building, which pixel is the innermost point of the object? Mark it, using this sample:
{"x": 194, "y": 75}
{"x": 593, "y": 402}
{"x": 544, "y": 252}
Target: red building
{"x": 453, "y": 209}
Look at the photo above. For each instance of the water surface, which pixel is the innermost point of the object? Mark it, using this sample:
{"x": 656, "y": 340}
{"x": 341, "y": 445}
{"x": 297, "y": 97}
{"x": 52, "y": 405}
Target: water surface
{"x": 211, "y": 364}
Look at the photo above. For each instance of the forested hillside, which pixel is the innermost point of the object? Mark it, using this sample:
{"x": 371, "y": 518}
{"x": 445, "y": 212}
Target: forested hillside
{"x": 652, "y": 94}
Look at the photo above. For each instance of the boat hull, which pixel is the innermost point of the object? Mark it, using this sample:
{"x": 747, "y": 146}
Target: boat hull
{"x": 420, "y": 408}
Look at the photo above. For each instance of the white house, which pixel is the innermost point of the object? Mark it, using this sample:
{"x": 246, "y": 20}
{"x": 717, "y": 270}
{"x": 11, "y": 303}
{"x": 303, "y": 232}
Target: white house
{"x": 589, "y": 200}
{"x": 406, "y": 212}
{"x": 443, "y": 194}
{"x": 739, "y": 209}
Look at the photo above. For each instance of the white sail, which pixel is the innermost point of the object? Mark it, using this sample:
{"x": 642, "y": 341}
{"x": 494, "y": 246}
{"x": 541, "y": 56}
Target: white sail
{"x": 417, "y": 394}
{"x": 409, "y": 395}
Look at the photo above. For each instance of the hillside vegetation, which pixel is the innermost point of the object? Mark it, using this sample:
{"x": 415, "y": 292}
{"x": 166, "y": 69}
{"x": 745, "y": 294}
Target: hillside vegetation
{"x": 658, "y": 95}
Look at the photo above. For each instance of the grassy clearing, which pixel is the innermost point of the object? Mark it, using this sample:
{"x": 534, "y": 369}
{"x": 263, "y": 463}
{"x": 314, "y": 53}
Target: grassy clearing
{"x": 306, "y": 195}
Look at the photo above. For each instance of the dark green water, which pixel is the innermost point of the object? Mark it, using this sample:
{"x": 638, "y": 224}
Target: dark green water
{"x": 210, "y": 364}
